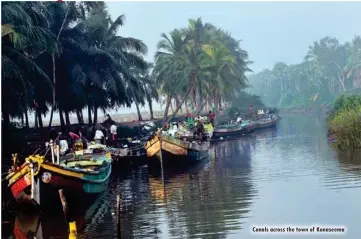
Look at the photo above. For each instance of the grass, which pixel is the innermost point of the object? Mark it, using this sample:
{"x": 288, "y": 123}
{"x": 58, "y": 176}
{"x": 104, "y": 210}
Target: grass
{"x": 345, "y": 124}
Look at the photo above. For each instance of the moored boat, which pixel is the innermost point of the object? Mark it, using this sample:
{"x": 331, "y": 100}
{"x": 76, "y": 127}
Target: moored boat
{"x": 173, "y": 147}
{"x": 266, "y": 122}
{"x": 37, "y": 181}
{"x": 248, "y": 125}
{"x": 229, "y": 131}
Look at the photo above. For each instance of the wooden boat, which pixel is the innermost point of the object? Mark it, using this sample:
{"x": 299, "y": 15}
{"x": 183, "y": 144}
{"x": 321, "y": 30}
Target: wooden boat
{"x": 172, "y": 147}
{"x": 266, "y": 122}
{"x": 229, "y": 131}
{"x": 36, "y": 180}
{"x": 248, "y": 125}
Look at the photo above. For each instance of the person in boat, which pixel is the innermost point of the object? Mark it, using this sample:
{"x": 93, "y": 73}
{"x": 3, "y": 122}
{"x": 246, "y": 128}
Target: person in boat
{"x": 199, "y": 129}
{"x": 99, "y": 135}
{"x": 76, "y": 141}
{"x": 63, "y": 144}
{"x": 239, "y": 119}
{"x": 173, "y": 130}
{"x": 251, "y": 110}
{"x": 180, "y": 126}
{"x": 211, "y": 116}
{"x": 190, "y": 121}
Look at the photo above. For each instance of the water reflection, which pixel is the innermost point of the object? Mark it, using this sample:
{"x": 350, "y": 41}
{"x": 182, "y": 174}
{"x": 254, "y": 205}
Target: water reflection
{"x": 287, "y": 175}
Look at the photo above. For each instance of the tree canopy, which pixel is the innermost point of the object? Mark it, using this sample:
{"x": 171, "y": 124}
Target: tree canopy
{"x": 328, "y": 70}
{"x": 201, "y": 61}
{"x": 63, "y": 57}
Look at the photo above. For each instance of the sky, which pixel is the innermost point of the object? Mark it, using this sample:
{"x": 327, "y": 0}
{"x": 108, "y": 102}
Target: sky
{"x": 270, "y": 31}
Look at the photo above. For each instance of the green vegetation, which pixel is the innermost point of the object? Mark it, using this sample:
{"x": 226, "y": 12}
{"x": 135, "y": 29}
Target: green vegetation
{"x": 202, "y": 63}
{"x": 241, "y": 104}
{"x": 345, "y": 121}
{"x": 329, "y": 69}
{"x": 65, "y": 57}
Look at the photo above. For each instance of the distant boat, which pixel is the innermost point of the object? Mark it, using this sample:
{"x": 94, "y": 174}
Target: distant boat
{"x": 230, "y": 131}
{"x": 266, "y": 121}
{"x": 37, "y": 181}
{"x": 176, "y": 148}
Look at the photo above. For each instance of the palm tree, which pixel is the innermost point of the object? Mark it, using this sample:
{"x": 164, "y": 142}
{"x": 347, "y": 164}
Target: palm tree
{"x": 122, "y": 54}
{"x": 24, "y": 35}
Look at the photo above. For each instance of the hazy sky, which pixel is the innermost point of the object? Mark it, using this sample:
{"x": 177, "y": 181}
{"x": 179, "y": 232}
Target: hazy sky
{"x": 270, "y": 31}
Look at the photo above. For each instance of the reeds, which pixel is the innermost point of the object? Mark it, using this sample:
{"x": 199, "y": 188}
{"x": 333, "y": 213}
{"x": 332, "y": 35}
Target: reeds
{"x": 345, "y": 124}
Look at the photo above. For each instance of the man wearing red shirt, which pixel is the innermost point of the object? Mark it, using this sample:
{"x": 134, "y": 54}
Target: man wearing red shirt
{"x": 211, "y": 117}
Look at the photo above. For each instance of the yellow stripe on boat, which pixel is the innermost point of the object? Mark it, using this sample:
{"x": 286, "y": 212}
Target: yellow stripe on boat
{"x": 19, "y": 174}
{"x": 63, "y": 171}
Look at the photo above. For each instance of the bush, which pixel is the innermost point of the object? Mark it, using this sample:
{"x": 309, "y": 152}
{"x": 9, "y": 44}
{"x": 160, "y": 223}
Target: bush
{"x": 345, "y": 124}
{"x": 344, "y": 102}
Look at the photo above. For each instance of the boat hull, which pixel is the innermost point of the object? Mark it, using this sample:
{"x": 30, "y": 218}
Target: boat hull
{"x": 230, "y": 134}
{"x": 266, "y": 123}
{"x": 176, "y": 149}
{"x": 50, "y": 178}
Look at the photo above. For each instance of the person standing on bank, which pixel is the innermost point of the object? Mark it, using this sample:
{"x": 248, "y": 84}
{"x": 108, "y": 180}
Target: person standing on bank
{"x": 211, "y": 117}
{"x": 113, "y": 133}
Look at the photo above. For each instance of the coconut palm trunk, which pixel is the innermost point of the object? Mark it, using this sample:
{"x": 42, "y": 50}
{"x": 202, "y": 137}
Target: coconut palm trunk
{"x": 138, "y": 112}
{"x": 167, "y": 106}
{"x": 89, "y": 115}
{"x": 54, "y": 69}
{"x": 151, "y": 108}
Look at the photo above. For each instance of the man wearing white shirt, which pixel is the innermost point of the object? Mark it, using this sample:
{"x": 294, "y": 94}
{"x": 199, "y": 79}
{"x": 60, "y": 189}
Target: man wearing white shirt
{"x": 113, "y": 133}
{"x": 98, "y": 136}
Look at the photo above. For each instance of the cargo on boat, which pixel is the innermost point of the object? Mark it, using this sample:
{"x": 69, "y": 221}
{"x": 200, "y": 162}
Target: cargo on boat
{"x": 176, "y": 148}
{"x": 37, "y": 180}
{"x": 189, "y": 135}
{"x": 130, "y": 153}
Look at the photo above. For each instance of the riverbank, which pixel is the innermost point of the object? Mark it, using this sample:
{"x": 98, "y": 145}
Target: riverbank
{"x": 344, "y": 122}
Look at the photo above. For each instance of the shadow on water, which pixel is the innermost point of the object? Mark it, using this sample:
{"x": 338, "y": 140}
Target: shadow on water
{"x": 255, "y": 180}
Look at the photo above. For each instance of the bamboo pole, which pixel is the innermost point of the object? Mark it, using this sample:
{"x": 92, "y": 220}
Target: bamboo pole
{"x": 161, "y": 158}
{"x": 58, "y": 155}
{"x": 119, "y": 234}
{"x": 72, "y": 224}
{"x": 52, "y": 151}
{"x": 32, "y": 180}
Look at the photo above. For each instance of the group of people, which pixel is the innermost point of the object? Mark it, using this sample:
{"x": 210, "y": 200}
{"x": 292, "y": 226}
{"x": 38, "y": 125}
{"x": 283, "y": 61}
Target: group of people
{"x": 192, "y": 123}
{"x": 101, "y": 138}
{"x": 78, "y": 141}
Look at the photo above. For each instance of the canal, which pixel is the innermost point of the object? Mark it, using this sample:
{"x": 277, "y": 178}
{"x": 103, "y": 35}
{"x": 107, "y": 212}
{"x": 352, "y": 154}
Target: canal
{"x": 281, "y": 177}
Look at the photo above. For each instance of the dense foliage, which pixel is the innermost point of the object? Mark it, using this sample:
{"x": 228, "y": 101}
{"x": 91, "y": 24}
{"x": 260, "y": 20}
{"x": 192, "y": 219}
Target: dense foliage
{"x": 63, "y": 57}
{"x": 68, "y": 56}
{"x": 345, "y": 121}
{"x": 202, "y": 63}
{"x": 329, "y": 69}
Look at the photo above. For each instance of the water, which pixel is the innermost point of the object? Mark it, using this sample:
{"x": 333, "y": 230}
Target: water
{"x": 283, "y": 177}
